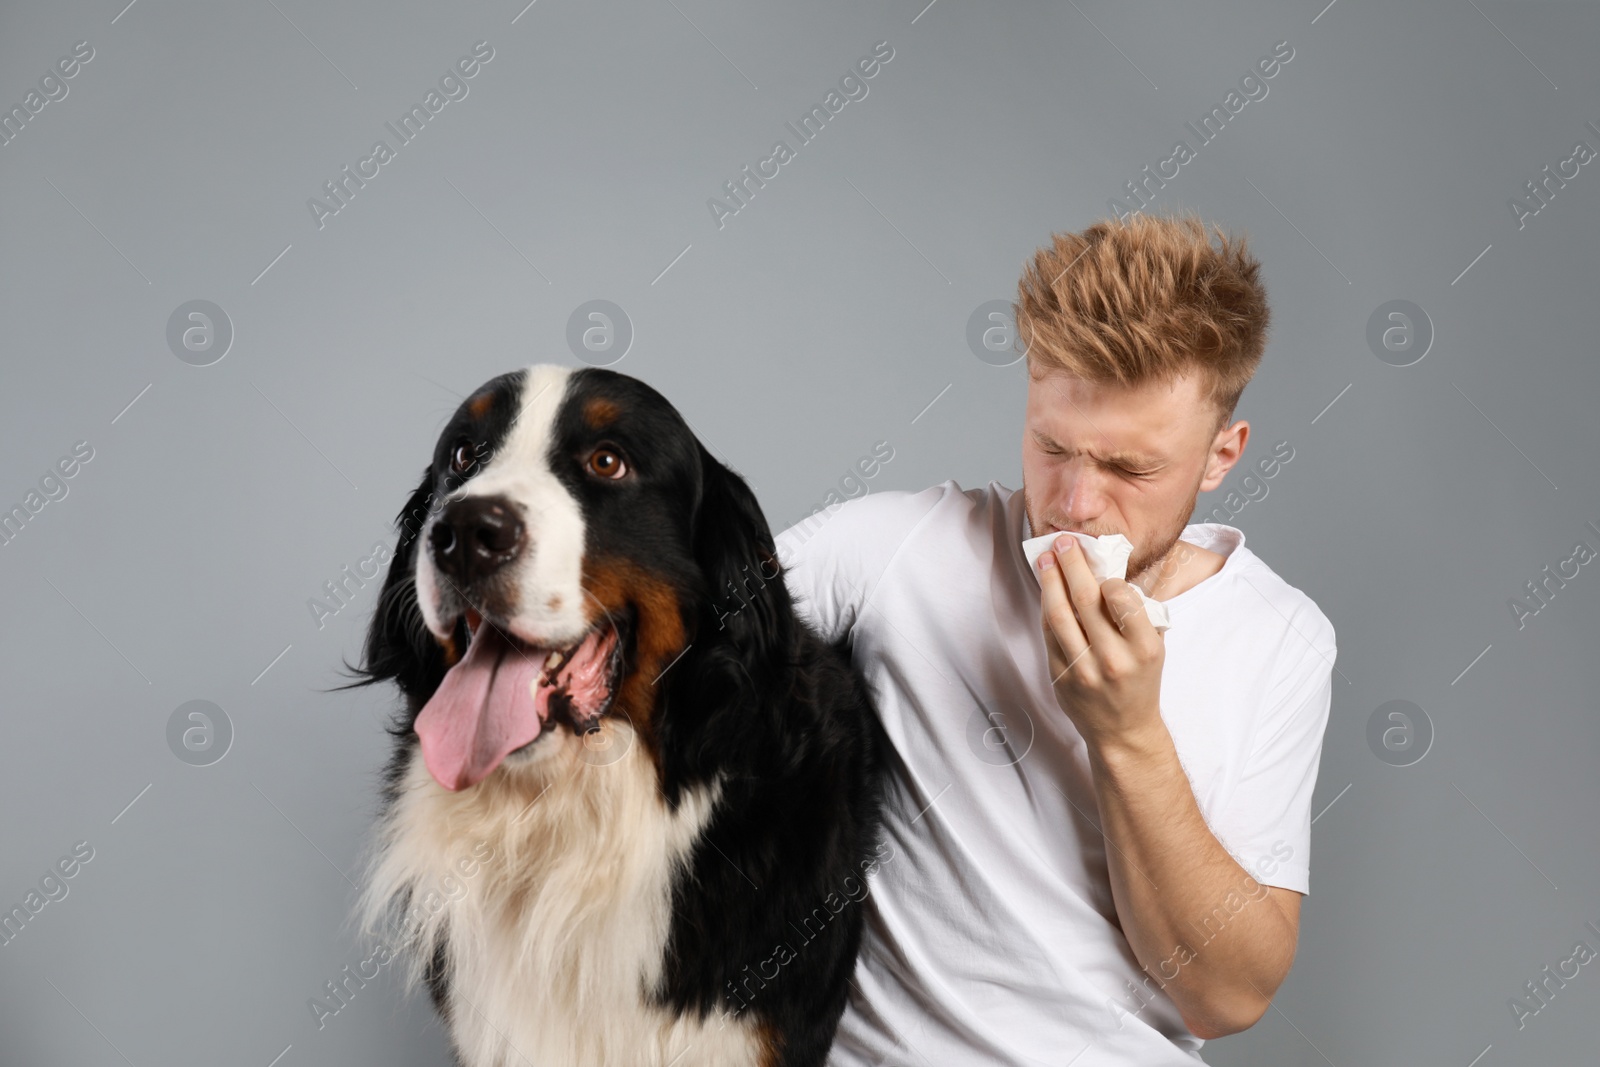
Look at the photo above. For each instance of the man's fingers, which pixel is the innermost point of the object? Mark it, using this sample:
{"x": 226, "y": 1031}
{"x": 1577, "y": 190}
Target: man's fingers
{"x": 1122, "y": 603}
{"x": 1084, "y": 589}
{"x": 1058, "y": 619}
{"x": 1126, "y": 609}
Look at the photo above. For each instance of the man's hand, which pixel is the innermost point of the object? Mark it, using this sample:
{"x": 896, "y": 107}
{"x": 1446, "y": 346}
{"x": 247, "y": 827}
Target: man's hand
{"x": 1106, "y": 660}
{"x": 1105, "y": 654}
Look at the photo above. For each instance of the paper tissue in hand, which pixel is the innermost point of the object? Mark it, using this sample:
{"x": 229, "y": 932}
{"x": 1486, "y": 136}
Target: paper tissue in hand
{"x": 1107, "y": 557}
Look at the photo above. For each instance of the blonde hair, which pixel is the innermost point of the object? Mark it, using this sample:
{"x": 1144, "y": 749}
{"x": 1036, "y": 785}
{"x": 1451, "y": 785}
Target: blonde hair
{"x": 1144, "y": 300}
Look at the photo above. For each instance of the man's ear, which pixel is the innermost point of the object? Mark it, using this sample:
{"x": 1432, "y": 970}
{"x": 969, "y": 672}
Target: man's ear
{"x": 1226, "y": 448}
{"x": 399, "y": 645}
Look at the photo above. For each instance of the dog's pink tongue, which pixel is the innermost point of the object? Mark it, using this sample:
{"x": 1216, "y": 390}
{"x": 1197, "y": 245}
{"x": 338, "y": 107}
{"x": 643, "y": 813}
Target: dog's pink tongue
{"x": 484, "y": 708}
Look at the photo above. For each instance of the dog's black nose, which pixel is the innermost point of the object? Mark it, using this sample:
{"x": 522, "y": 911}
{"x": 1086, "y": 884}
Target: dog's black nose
{"x": 475, "y": 537}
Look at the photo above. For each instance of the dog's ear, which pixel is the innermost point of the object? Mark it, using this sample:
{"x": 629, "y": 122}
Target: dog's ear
{"x": 399, "y": 645}
{"x": 737, "y": 666}
{"x": 747, "y": 605}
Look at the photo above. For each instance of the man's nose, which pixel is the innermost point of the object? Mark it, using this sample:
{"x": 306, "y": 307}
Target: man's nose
{"x": 1081, "y": 498}
{"x": 475, "y": 537}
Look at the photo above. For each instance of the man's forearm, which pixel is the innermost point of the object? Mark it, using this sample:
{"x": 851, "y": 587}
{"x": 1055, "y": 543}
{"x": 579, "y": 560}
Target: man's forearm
{"x": 1171, "y": 879}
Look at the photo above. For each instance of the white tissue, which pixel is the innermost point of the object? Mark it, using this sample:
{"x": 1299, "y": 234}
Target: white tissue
{"x": 1107, "y": 557}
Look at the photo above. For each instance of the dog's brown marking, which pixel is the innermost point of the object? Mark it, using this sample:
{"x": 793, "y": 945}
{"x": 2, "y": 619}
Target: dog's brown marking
{"x": 769, "y": 1044}
{"x": 554, "y": 603}
{"x": 599, "y": 411}
{"x": 480, "y": 405}
{"x": 658, "y": 638}
{"x": 452, "y": 655}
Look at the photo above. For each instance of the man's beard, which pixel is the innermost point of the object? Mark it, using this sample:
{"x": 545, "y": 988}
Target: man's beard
{"x": 1150, "y": 562}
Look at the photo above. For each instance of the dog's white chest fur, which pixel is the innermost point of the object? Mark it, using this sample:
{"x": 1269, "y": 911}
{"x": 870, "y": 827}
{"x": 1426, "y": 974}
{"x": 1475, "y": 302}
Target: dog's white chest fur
{"x": 555, "y": 936}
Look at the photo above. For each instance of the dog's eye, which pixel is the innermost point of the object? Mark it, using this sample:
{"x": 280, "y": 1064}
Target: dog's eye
{"x": 463, "y": 456}
{"x": 607, "y": 463}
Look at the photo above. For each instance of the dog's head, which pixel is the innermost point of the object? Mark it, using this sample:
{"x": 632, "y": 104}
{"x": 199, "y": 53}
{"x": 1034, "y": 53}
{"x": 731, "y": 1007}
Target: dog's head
{"x": 571, "y": 542}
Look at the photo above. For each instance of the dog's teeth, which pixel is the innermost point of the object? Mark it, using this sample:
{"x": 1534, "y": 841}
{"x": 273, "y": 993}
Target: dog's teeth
{"x": 551, "y": 660}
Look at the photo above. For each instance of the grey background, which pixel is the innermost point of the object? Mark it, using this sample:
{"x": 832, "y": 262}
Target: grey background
{"x": 827, "y": 315}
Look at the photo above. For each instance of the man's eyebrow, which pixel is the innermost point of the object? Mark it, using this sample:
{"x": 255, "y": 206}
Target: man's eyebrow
{"x": 1130, "y": 457}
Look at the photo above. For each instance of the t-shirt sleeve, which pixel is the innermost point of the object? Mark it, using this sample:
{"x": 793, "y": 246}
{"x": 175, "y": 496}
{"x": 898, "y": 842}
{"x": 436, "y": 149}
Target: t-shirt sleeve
{"x": 833, "y": 559}
{"x": 1267, "y": 826}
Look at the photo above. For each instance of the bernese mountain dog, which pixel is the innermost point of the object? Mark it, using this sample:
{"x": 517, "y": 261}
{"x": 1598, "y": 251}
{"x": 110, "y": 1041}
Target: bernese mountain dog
{"x": 634, "y": 799}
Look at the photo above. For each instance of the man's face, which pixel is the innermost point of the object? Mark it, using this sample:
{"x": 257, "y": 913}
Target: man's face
{"x": 1103, "y": 459}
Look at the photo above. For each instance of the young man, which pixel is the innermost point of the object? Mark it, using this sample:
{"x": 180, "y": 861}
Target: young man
{"x": 1098, "y": 834}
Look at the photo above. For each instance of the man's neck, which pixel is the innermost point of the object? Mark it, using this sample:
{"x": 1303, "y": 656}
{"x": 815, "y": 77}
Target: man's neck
{"x": 1180, "y": 570}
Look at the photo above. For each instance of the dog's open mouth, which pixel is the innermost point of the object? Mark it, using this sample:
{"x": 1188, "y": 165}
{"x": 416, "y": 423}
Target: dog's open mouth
{"x": 504, "y": 692}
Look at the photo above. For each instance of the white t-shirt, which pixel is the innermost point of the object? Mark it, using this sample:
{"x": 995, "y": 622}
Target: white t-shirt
{"x": 991, "y": 932}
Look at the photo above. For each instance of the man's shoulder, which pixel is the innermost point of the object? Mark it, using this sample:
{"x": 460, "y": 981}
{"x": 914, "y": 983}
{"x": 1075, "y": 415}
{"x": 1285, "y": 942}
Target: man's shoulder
{"x": 1281, "y": 605}
{"x": 835, "y": 558}
{"x": 877, "y": 513}
{"x": 919, "y": 502}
